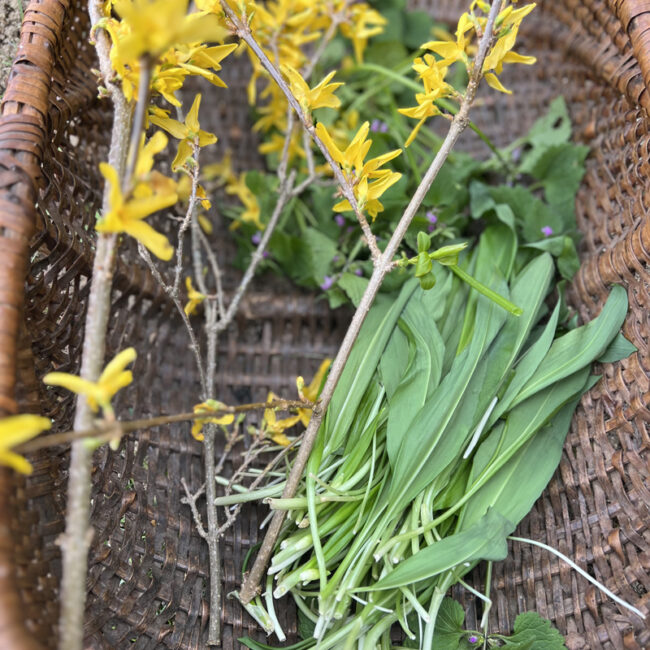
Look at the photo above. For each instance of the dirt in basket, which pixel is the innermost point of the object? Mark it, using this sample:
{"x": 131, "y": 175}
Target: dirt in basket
{"x": 11, "y": 13}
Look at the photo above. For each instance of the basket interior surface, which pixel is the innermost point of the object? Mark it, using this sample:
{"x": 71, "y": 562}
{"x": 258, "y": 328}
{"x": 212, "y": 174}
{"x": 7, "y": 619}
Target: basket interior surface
{"x": 148, "y": 566}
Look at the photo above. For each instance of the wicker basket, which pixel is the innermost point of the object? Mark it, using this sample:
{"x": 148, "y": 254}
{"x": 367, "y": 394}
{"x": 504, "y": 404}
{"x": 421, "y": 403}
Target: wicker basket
{"x": 147, "y": 564}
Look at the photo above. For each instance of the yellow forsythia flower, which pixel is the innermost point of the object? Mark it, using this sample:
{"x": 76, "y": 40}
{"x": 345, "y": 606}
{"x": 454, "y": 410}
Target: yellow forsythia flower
{"x": 361, "y": 172}
{"x": 312, "y": 391}
{"x": 277, "y": 427}
{"x": 252, "y": 212}
{"x": 362, "y": 24}
{"x": 195, "y": 297}
{"x": 210, "y": 406}
{"x": 205, "y": 223}
{"x": 15, "y": 430}
{"x": 188, "y": 132}
{"x": 127, "y": 216}
{"x": 321, "y": 95}
{"x": 157, "y": 25}
{"x": 98, "y": 393}
{"x": 508, "y": 23}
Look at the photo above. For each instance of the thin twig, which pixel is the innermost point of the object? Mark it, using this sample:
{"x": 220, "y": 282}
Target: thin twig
{"x": 231, "y": 516}
{"x": 190, "y": 499}
{"x": 185, "y": 224}
{"x": 106, "y": 430}
{"x": 212, "y": 539}
{"x": 258, "y": 255}
{"x": 216, "y": 271}
{"x": 138, "y": 123}
{"x": 243, "y": 31}
{"x": 194, "y": 343}
{"x": 382, "y": 267}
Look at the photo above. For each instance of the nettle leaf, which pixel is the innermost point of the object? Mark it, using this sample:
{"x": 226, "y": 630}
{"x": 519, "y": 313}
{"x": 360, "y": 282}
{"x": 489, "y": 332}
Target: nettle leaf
{"x": 533, "y": 632}
{"x": 293, "y": 256}
{"x": 321, "y": 251}
{"x": 552, "y": 129}
{"x": 531, "y": 213}
{"x": 305, "y": 626}
{"x": 560, "y": 170}
{"x": 449, "y": 625}
{"x": 354, "y": 286}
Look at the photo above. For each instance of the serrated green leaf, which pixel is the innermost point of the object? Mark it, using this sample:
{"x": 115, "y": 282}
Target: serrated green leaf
{"x": 560, "y": 170}
{"x": 417, "y": 28}
{"x": 321, "y": 251}
{"x": 449, "y": 625}
{"x": 354, "y": 286}
{"x": 530, "y": 627}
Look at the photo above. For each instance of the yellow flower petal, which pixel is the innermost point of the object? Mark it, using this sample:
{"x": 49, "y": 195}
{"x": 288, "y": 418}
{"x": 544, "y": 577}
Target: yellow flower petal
{"x": 173, "y": 127}
{"x": 117, "y": 365}
{"x": 192, "y": 119}
{"x": 151, "y": 239}
{"x": 17, "y": 429}
{"x": 16, "y": 461}
{"x": 110, "y": 174}
{"x": 312, "y": 391}
{"x": 493, "y": 81}
{"x": 280, "y": 439}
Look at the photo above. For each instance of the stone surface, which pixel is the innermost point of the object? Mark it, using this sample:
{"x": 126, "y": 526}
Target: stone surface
{"x": 10, "y": 18}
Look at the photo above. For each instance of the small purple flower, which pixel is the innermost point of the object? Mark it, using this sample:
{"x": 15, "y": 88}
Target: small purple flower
{"x": 327, "y": 283}
{"x": 340, "y": 220}
{"x": 430, "y": 228}
{"x": 256, "y": 238}
{"x": 431, "y": 216}
{"x": 547, "y": 231}
{"x": 377, "y": 126}
{"x": 473, "y": 639}
{"x": 350, "y": 229}
{"x": 358, "y": 272}
{"x": 266, "y": 254}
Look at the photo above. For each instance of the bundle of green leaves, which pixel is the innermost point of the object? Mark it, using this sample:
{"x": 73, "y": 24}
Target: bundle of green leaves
{"x": 446, "y": 425}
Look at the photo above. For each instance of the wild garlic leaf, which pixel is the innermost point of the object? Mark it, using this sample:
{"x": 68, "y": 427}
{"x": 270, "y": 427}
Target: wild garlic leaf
{"x": 619, "y": 348}
{"x": 580, "y": 346}
{"x": 515, "y": 487}
{"x": 485, "y": 540}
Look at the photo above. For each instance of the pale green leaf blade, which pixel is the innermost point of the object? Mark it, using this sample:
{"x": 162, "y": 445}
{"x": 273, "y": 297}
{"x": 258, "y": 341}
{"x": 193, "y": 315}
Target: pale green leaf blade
{"x": 579, "y": 347}
{"x": 486, "y": 540}
{"x": 619, "y": 348}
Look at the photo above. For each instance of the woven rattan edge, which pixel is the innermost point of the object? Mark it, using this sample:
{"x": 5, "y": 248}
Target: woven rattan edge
{"x": 23, "y": 128}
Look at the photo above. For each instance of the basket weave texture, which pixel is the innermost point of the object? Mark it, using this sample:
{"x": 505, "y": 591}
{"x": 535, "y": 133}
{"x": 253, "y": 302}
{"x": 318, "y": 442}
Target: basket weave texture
{"x": 146, "y": 583}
